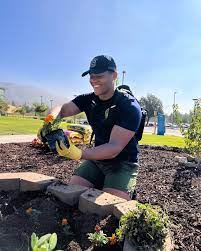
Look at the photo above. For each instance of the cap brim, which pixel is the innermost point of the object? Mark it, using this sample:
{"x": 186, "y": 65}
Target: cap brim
{"x": 95, "y": 71}
{"x": 85, "y": 73}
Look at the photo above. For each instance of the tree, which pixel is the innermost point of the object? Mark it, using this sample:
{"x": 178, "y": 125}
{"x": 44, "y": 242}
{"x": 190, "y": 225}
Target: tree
{"x": 192, "y": 136}
{"x": 21, "y": 110}
{"x": 3, "y": 106}
{"x": 40, "y": 109}
{"x": 151, "y": 103}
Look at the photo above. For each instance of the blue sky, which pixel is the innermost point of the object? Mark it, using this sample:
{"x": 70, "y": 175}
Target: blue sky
{"x": 49, "y": 43}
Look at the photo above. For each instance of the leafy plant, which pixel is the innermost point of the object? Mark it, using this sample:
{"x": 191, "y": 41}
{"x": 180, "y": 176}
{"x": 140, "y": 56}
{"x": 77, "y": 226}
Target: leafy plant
{"x": 50, "y": 124}
{"x": 192, "y": 136}
{"x": 146, "y": 227}
{"x": 47, "y": 242}
{"x": 98, "y": 239}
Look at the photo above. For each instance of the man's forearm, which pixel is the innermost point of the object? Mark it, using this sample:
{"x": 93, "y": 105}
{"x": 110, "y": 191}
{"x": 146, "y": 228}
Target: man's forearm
{"x": 105, "y": 151}
{"x": 56, "y": 112}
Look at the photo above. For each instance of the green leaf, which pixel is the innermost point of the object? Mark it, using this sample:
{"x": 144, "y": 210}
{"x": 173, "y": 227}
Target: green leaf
{"x": 43, "y": 239}
{"x": 41, "y": 249}
{"x": 53, "y": 241}
{"x": 34, "y": 240}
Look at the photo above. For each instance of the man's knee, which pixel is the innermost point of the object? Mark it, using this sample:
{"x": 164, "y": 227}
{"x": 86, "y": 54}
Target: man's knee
{"x": 77, "y": 180}
{"x": 117, "y": 193}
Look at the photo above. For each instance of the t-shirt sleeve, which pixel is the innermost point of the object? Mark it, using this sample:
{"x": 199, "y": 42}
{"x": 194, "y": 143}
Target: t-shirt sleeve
{"x": 130, "y": 115}
{"x": 82, "y": 101}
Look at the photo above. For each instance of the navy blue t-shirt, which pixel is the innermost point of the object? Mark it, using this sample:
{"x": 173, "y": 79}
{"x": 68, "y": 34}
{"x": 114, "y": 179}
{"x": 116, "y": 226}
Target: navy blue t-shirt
{"x": 121, "y": 109}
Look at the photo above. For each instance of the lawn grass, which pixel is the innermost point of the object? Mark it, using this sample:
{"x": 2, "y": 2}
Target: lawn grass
{"x": 19, "y": 125}
{"x": 168, "y": 140}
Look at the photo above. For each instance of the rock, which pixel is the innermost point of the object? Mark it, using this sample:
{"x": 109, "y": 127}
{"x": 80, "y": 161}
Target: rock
{"x": 98, "y": 202}
{"x": 190, "y": 164}
{"x": 198, "y": 160}
{"x": 190, "y": 158}
{"x": 68, "y": 194}
{"x": 181, "y": 160}
{"x": 34, "y": 181}
{"x": 9, "y": 182}
{"x": 123, "y": 208}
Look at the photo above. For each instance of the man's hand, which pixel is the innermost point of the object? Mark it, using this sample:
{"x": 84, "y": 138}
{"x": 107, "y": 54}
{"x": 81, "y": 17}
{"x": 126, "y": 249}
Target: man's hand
{"x": 71, "y": 153}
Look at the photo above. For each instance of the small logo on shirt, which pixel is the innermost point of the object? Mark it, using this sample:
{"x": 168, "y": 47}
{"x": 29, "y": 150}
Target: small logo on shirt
{"x": 107, "y": 113}
{"x": 108, "y": 110}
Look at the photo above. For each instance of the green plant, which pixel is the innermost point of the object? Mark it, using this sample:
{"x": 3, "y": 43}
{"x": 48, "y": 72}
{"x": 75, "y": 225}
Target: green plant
{"x": 98, "y": 239}
{"x": 146, "y": 227}
{"x": 50, "y": 124}
{"x": 47, "y": 242}
{"x": 192, "y": 136}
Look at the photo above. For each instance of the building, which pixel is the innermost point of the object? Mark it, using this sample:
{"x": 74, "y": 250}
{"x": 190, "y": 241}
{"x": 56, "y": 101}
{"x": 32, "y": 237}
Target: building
{"x": 2, "y": 93}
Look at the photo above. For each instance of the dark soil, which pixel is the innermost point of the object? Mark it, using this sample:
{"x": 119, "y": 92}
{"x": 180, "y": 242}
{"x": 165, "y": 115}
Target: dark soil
{"x": 160, "y": 181}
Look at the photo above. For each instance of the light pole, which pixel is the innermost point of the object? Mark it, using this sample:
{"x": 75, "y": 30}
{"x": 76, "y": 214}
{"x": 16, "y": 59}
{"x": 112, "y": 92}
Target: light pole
{"x": 74, "y": 115}
{"x": 173, "y": 108}
{"x": 41, "y": 100}
{"x": 123, "y": 72}
{"x": 51, "y": 100}
{"x": 195, "y": 101}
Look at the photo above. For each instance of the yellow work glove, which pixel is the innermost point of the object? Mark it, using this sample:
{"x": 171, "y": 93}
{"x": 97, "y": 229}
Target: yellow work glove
{"x": 71, "y": 153}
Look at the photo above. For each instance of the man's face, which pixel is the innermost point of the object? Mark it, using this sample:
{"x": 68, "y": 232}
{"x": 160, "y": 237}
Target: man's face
{"x": 102, "y": 82}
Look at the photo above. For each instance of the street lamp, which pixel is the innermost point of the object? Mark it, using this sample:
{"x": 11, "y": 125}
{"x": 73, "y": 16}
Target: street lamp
{"x": 74, "y": 115}
{"x": 41, "y": 100}
{"x": 173, "y": 107}
{"x": 123, "y": 72}
{"x": 195, "y": 101}
{"x": 51, "y": 100}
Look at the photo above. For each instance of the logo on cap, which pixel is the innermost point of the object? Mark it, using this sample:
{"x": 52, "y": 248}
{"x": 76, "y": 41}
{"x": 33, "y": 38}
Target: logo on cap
{"x": 93, "y": 63}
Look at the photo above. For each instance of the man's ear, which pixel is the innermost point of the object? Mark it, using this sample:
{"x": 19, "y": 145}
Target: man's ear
{"x": 114, "y": 75}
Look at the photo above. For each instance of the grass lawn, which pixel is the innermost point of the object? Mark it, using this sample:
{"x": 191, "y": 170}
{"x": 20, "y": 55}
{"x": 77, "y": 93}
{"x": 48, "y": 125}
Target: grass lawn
{"x": 15, "y": 125}
{"x": 168, "y": 140}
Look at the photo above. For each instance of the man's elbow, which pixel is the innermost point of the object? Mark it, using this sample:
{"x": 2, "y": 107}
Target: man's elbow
{"x": 116, "y": 152}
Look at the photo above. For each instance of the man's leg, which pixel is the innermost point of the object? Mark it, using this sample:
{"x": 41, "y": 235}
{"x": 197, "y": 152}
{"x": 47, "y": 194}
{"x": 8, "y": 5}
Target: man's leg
{"x": 77, "y": 180}
{"x": 121, "y": 181}
{"x": 117, "y": 193}
{"x": 89, "y": 175}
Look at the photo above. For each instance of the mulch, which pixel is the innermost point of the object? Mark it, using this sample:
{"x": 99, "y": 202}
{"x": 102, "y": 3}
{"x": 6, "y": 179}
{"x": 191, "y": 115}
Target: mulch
{"x": 161, "y": 181}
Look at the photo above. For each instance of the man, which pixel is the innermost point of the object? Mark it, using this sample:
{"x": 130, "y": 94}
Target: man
{"x": 112, "y": 165}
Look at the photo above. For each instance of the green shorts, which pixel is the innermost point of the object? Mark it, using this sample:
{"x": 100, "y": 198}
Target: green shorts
{"x": 121, "y": 175}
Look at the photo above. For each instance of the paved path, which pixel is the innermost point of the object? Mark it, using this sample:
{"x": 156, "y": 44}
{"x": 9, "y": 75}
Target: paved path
{"x": 168, "y": 131}
{"x": 16, "y": 138}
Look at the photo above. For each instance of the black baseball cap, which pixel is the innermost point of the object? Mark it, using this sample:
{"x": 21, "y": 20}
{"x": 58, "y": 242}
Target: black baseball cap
{"x": 101, "y": 64}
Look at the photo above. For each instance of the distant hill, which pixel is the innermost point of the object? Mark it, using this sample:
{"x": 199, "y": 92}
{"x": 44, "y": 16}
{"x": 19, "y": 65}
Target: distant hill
{"x": 21, "y": 94}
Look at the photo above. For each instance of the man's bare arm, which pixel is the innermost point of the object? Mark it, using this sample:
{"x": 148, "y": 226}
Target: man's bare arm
{"x": 119, "y": 138}
{"x": 66, "y": 110}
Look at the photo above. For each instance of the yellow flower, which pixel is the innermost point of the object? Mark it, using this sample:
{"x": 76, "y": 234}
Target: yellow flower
{"x": 49, "y": 118}
{"x": 113, "y": 239}
{"x": 64, "y": 222}
{"x": 29, "y": 210}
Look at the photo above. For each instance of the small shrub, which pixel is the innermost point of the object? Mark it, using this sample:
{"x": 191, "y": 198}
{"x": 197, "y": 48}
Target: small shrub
{"x": 146, "y": 227}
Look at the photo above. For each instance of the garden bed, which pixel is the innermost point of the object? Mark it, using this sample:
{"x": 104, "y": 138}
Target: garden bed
{"x": 160, "y": 181}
